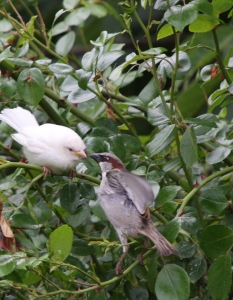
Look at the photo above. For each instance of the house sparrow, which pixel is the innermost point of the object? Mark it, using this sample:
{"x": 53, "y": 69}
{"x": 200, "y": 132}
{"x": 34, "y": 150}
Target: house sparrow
{"x": 56, "y": 148}
{"x": 124, "y": 198}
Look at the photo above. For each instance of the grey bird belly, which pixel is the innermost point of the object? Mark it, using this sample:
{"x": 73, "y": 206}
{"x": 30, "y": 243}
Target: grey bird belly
{"x": 121, "y": 212}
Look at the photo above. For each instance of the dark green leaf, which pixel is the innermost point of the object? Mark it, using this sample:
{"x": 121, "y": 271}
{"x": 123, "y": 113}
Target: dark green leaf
{"x": 69, "y": 197}
{"x": 135, "y": 293}
{"x": 186, "y": 249}
{"x": 31, "y": 86}
{"x": 190, "y": 221}
{"x": 108, "y": 124}
{"x": 172, "y": 283}
{"x": 131, "y": 143}
{"x": 213, "y": 201}
{"x": 220, "y": 278}
{"x": 117, "y": 146}
{"x": 188, "y": 147}
{"x": 81, "y": 247}
{"x": 216, "y": 240}
{"x": 157, "y": 116}
{"x": 60, "y": 242}
{"x": 201, "y": 122}
{"x": 166, "y": 194}
{"x": 80, "y": 215}
{"x": 24, "y": 221}
{"x": 172, "y": 229}
{"x": 196, "y": 269}
{"x": 83, "y": 128}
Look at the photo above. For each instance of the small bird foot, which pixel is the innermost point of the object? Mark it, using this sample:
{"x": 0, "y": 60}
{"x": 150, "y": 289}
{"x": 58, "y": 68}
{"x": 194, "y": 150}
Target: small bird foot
{"x": 140, "y": 258}
{"x": 47, "y": 171}
{"x": 119, "y": 270}
{"x": 72, "y": 174}
{"x": 23, "y": 160}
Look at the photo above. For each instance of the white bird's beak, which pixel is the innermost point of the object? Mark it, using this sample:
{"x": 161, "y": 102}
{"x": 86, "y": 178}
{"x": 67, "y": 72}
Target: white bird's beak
{"x": 80, "y": 153}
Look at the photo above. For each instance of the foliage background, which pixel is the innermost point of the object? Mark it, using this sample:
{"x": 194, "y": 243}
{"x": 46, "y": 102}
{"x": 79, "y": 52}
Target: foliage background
{"x": 150, "y": 81}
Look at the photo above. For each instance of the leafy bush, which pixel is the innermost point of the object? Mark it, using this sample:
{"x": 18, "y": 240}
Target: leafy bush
{"x": 55, "y": 238}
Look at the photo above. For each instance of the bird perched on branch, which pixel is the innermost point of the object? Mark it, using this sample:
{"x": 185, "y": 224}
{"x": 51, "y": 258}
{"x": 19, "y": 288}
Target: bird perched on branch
{"x": 54, "y": 147}
{"x": 124, "y": 198}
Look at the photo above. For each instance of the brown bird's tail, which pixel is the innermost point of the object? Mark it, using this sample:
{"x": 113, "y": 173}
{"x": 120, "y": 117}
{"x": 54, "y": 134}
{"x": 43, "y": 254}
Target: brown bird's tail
{"x": 164, "y": 248}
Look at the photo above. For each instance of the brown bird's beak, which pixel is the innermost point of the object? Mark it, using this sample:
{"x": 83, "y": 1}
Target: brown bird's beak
{"x": 81, "y": 153}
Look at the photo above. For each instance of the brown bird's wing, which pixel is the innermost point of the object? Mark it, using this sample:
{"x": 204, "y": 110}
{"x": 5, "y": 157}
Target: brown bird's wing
{"x": 138, "y": 190}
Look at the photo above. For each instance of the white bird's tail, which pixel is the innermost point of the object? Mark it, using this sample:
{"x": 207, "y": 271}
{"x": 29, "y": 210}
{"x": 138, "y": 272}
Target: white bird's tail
{"x": 18, "y": 118}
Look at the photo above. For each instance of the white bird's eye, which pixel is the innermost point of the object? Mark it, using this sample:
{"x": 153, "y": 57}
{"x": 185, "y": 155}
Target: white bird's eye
{"x": 70, "y": 149}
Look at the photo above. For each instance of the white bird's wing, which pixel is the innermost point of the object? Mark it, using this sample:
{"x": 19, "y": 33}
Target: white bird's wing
{"x": 138, "y": 190}
{"x": 18, "y": 118}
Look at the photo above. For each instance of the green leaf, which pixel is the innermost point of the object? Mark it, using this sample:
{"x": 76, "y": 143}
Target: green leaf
{"x": 77, "y": 16}
{"x": 65, "y": 43}
{"x": 97, "y": 10}
{"x": 108, "y": 124}
{"x": 172, "y": 229}
{"x": 216, "y": 240}
{"x": 131, "y": 143}
{"x": 79, "y": 95}
{"x": 70, "y": 4}
{"x": 218, "y": 155}
{"x": 181, "y": 16}
{"x": 188, "y": 147}
{"x": 163, "y": 5}
{"x": 196, "y": 269}
{"x": 203, "y": 23}
{"x": 201, "y": 122}
{"x": 160, "y": 140}
{"x": 81, "y": 248}
{"x": 69, "y": 197}
{"x": 97, "y": 296}
{"x": 172, "y": 283}
{"x": 186, "y": 249}
{"x": 149, "y": 92}
{"x": 80, "y": 215}
{"x": 213, "y": 201}
{"x": 24, "y": 221}
{"x": 97, "y": 209}
{"x": 6, "y": 54}
{"x": 59, "y": 68}
{"x": 158, "y": 116}
{"x": 165, "y": 31}
{"x": 220, "y": 278}
{"x": 7, "y": 264}
{"x": 222, "y": 5}
{"x": 166, "y": 194}
{"x": 31, "y": 86}
{"x": 106, "y": 59}
{"x": 190, "y": 221}
{"x": 117, "y": 146}
{"x": 135, "y": 293}
{"x": 60, "y": 243}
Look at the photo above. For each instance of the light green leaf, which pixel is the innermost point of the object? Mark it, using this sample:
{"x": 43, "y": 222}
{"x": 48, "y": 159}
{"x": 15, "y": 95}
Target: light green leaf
{"x": 7, "y": 264}
{"x": 65, "y": 43}
{"x": 60, "y": 243}
{"x": 218, "y": 155}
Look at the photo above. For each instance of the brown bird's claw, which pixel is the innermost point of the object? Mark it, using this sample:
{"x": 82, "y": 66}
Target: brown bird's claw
{"x": 119, "y": 270}
{"x": 140, "y": 258}
{"x": 46, "y": 171}
{"x": 72, "y": 174}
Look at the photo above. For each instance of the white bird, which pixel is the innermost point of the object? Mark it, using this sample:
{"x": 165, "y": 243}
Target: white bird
{"x": 54, "y": 147}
